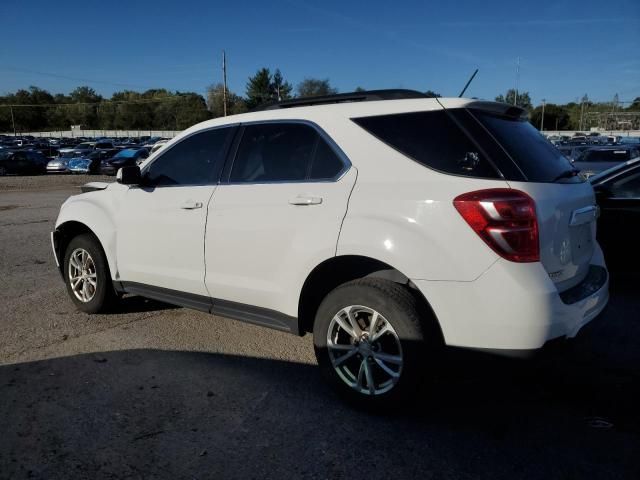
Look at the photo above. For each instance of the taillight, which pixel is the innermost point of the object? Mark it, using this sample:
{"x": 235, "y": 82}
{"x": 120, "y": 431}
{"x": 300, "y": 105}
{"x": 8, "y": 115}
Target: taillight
{"x": 505, "y": 219}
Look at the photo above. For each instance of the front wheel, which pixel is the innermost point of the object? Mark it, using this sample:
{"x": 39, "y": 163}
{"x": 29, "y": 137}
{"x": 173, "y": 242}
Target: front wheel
{"x": 87, "y": 277}
{"x": 371, "y": 342}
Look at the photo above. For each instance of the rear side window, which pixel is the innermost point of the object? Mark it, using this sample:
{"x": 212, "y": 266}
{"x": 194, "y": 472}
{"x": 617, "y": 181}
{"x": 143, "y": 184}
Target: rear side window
{"x": 432, "y": 139}
{"x": 606, "y": 156}
{"x": 283, "y": 152}
{"x": 534, "y": 155}
{"x": 196, "y": 160}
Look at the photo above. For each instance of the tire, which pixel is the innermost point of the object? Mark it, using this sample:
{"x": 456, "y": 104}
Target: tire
{"x": 3, "y": 171}
{"x": 99, "y": 295}
{"x": 409, "y": 339}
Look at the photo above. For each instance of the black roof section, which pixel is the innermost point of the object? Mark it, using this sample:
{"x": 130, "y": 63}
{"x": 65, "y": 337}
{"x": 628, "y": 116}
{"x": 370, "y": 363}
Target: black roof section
{"x": 365, "y": 96}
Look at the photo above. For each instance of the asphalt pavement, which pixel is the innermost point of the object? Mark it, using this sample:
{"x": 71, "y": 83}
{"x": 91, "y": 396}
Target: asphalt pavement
{"x": 155, "y": 391}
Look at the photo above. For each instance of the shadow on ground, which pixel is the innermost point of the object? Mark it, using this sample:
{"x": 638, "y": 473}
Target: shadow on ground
{"x": 152, "y": 413}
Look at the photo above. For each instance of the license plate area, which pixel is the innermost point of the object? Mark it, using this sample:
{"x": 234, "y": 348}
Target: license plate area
{"x": 581, "y": 242}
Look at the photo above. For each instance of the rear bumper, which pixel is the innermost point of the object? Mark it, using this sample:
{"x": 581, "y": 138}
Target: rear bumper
{"x": 514, "y": 308}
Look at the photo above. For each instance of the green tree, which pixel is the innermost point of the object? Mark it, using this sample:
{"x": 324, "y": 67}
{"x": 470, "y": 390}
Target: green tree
{"x": 523, "y": 100}
{"x": 259, "y": 88}
{"x": 215, "y": 101}
{"x": 556, "y": 117}
{"x": 314, "y": 87}
{"x": 432, "y": 94}
{"x": 279, "y": 87}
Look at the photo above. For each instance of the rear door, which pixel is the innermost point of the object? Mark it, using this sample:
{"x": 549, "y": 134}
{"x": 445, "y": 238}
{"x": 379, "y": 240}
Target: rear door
{"x": 619, "y": 222}
{"x": 279, "y": 212}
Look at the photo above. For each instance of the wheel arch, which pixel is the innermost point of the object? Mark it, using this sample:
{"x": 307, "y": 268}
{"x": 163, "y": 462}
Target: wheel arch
{"x": 341, "y": 269}
{"x": 67, "y": 231}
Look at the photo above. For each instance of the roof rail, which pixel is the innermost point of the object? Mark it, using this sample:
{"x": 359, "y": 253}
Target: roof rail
{"x": 364, "y": 96}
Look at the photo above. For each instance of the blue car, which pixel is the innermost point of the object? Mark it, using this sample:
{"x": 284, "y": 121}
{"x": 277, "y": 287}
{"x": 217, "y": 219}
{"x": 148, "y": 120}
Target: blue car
{"x": 89, "y": 163}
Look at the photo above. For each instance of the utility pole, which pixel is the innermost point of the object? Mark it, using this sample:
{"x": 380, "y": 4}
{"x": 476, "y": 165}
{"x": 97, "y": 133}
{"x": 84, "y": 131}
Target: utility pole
{"x": 13, "y": 122}
{"x": 515, "y": 97}
{"x": 581, "y": 114}
{"x": 542, "y": 121}
{"x": 224, "y": 76}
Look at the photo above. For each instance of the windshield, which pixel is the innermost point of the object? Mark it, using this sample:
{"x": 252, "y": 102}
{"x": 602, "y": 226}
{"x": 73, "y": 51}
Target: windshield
{"x": 128, "y": 153}
{"x": 534, "y": 155}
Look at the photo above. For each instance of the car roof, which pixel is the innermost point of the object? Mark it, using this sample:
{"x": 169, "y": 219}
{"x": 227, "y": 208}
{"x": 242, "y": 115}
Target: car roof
{"x": 604, "y": 176}
{"x": 317, "y": 113}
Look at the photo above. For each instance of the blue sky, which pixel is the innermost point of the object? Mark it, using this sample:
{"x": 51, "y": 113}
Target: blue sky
{"x": 566, "y": 48}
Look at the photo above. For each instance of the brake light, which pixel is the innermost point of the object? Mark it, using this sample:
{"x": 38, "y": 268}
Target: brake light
{"x": 505, "y": 219}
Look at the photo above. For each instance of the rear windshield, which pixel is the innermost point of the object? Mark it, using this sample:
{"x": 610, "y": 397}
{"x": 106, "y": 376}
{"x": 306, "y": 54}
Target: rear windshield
{"x": 432, "y": 139}
{"x": 534, "y": 155}
{"x": 605, "y": 156}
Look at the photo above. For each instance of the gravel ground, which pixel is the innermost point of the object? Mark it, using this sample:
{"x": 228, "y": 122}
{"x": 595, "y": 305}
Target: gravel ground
{"x": 154, "y": 391}
{"x": 48, "y": 182}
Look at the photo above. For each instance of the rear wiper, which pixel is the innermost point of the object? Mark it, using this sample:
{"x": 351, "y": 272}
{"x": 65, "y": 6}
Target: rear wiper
{"x": 567, "y": 174}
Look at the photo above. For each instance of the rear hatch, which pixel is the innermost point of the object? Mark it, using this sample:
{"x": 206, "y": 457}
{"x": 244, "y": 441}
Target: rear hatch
{"x": 565, "y": 204}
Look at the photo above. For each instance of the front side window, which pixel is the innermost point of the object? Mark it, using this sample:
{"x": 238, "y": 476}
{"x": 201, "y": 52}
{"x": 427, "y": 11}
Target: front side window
{"x": 283, "y": 152}
{"x": 627, "y": 186}
{"x": 196, "y": 160}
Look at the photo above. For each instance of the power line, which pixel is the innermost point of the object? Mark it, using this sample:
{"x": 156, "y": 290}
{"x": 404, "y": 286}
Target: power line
{"x": 76, "y": 79}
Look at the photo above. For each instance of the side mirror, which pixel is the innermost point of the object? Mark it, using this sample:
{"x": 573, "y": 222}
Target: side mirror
{"x": 129, "y": 175}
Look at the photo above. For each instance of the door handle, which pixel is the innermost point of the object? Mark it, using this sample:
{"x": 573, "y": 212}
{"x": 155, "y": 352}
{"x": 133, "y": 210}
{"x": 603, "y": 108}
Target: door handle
{"x": 191, "y": 205}
{"x": 305, "y": 200}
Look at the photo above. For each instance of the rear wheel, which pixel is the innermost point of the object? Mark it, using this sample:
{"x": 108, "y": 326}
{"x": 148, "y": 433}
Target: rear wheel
{"x": 370, "y": 341}
{"x": 87, "y": 276}
{"x": 3, "y": 171}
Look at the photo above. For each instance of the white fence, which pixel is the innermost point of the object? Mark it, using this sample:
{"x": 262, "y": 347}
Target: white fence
{"x": 622, "y": 133}
{"x": 101, "y": 133}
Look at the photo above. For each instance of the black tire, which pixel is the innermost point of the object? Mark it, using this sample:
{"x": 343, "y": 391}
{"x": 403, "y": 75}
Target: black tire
{"x": 104, "y": 296}
{"x": 413, "y": 325}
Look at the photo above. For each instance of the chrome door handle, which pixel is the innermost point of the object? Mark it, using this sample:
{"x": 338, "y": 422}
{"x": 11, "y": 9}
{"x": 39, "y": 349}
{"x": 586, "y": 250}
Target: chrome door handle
{"x": 304, "y": 200}
{"x": 191, "y": 205}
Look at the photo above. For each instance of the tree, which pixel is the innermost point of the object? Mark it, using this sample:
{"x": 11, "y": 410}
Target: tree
{"x": 556, "y": 117}
{"x": 432, "y": 94}
{"x": 523, "y": 100}
{"x": 259, "y": 88}
{"x": 215, "y": 101}
{"x": 313, "y": 87}
{"x": 359, "y": 89}
{"x": 280, "y": 88}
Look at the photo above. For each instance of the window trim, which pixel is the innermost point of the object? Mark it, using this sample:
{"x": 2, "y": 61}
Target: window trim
{"x": 217, "y": 175}
{"x": 346, "y": 163}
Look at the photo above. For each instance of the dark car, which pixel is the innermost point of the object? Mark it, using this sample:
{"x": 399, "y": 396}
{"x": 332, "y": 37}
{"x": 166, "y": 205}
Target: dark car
{"x": 618, "y": 195}
{"x": 22, "y": 162}
{"x": 125, "y": 158}
{"x": 598, "y": 159}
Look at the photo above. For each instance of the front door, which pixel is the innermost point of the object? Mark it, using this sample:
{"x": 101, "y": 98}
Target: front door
{"x": 161, "y": 224}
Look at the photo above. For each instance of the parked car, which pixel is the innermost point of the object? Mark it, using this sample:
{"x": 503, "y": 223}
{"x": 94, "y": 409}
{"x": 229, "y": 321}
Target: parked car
{"x": 90, "y": 163}
{"x": 572, "y": 152}
{"x": 597, "y": 159}
{"x": 124, "y": 158}
{"x": 22, "y": 162}
{"x": 373, "y": 221}
{"x": 618, "y": 195}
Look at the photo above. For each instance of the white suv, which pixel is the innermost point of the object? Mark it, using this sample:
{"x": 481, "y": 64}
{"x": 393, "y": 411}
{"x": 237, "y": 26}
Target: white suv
{"x": 384, "y": 222}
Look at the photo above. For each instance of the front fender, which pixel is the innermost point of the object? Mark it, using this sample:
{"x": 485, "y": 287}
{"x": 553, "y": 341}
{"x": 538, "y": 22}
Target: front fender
{"x": 95, "y": 210}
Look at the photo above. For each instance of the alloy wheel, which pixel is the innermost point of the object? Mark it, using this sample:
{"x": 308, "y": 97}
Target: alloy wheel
{"x": 82, "y": 275}
{"x": 365, "y": 350}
